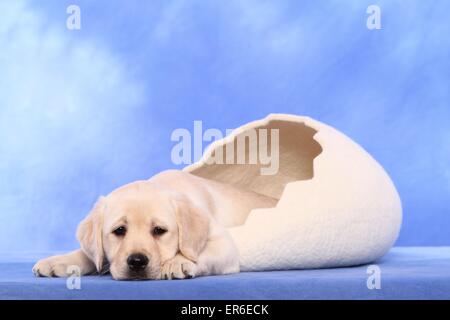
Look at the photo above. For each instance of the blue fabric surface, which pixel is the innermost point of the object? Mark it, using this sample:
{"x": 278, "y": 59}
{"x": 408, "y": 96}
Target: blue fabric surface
{"x": 406, "y": 273}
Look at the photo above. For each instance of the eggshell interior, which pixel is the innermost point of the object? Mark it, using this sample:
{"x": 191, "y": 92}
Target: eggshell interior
{"x": 337, "y": 206}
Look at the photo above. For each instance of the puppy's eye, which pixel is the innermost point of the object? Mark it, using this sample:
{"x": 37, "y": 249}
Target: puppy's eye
{"x": 157, "y": 231}
{"x": 120, "y": 231}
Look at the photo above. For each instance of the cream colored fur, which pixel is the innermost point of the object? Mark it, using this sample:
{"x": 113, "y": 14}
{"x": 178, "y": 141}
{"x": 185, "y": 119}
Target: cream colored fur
{"x": 196, "y": 213}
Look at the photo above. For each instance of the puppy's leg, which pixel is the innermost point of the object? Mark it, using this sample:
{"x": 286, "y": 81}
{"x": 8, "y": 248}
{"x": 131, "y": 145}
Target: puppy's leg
{"x": 57, "y": 266}
{"x": 220, "y": 256}
{"x": 179, "y": 267}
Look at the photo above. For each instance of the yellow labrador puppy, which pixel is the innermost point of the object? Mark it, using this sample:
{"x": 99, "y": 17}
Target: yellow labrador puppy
{"x": 172, "y": 226}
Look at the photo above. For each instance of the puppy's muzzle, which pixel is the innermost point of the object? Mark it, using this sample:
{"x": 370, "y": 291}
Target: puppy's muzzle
{"x": 137, "y": 262}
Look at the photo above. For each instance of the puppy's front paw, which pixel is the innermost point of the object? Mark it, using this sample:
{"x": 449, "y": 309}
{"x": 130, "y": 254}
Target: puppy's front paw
{"x": 178, "y": 267}
{"x": 55, "y": 266}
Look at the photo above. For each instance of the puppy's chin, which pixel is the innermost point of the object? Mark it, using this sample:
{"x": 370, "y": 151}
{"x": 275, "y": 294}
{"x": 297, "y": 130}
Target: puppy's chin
{"x": 137, "y": 276}
{"x": 126, "y": 274}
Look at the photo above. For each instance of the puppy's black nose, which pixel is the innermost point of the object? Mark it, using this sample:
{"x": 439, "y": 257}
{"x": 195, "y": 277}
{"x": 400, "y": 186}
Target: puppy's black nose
{"x": 137, "y": 261}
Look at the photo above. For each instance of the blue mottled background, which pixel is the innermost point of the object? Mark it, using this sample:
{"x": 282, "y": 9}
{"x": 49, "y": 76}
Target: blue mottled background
{"x": 83, "y": 112}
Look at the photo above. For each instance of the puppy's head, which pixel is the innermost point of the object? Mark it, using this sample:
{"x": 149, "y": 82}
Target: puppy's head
{"x": 140, "y": 226}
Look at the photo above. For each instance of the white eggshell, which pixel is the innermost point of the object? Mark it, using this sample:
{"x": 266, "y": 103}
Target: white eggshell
{"x": 337, "y": 206}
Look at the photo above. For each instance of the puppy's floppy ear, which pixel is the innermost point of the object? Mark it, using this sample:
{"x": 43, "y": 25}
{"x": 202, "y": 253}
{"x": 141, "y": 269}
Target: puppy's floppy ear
{"x": 193, "y": 229}
{"x": 89, "y": 234}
